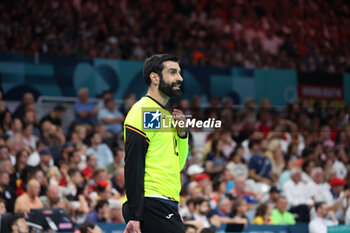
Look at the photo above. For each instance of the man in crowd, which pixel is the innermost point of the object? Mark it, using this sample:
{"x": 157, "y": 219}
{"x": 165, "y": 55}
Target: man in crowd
{"x": 85, "y": 112}
{"x": 280, "y": 215}
{"x": 111, "y": 117}
{"x": 320, "y": 223}
{"x": 30, "y": 199}
{"x": 101, "y": 150}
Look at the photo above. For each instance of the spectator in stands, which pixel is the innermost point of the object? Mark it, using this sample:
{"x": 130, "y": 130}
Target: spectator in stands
{"x": 118, "y": 160}
{"x": 340, "y": 198}
{"x": 111, "y": 117}
{"x": 18, "y": 224}
{"x": 85, "y": 112}
{"x": 45, "y": 159}
{"x": 118, "y": 181}
{"x": 3, "y": 209}
{"x": 6, "y": 192}
{"x": 240, "y": 220}
{"x": 262, "y": 215}
{"x": 318, "y": 189}
{"x": 320, "y": 223}
{"x": 240, "y": 190}
{"x": 259, "y": 165}
{"x": 201, "y": 209}
{"x": 91, "y": 166}
{"x": 30, "y": 199}
{"x": 53, "y": 137}
{"x": 52, "y": 192}
{"x": 89, "y": 227}
{"x": 101, "y": 213}
{"x": 29, "y": 138}
{"x": 74, "y": 158}
{"x": 55, "y": 116}
{"x": 280, "y": 215}
{"x": 295, "y": 190}
{"x": 215, "y": 161}
{"x": 228, "y": 143}
{"x": 29, "y": 118}
{"x": 235, "y": 164}
{"x": 189, "y": 228}
{"x": 101, "y": 150}
{"x": 223, "y": 208}
{"x": 27, "y": 99}
{"x": 6, "y": 120}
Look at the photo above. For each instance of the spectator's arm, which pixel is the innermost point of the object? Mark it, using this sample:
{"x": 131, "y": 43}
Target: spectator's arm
{"x": 114, "y": 120}
{"x": 258, "y": 178}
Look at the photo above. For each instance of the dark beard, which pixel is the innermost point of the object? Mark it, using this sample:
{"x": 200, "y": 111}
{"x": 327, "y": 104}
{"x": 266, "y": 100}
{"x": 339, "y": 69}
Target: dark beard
{"x": 167, "y": 89}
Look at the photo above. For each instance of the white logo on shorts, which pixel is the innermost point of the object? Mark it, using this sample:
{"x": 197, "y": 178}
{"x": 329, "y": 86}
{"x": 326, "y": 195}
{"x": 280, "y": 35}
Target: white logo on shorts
{"x": 169, "y": 216}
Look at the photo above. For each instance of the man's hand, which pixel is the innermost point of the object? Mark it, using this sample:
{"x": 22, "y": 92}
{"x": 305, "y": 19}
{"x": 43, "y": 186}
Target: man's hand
{"x": 179, "y": 116}
{"x": 133, "y": 227}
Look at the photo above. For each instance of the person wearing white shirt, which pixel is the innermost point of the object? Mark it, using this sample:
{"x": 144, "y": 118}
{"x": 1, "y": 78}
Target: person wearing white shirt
{"x": 295, "y": 190}
{"x": 320, "y": 223}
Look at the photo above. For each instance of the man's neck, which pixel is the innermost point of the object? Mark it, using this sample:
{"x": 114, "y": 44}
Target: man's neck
{"x": 157, "y": 95}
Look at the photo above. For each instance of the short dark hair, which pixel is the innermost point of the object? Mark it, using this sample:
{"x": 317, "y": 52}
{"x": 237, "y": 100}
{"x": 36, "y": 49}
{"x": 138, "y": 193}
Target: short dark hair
{"x": 59, "y": 108}
{"x": 73, "y": 171}
{"x": 84, "y": 227}
{"x": 207, "y": 230}
{"x": 319, "y": 205}
{"x": 14, "y": 219}
{"x": 155, "y": 64}
{"x": 187, "y": 226}
{"x": 100, "y": 204}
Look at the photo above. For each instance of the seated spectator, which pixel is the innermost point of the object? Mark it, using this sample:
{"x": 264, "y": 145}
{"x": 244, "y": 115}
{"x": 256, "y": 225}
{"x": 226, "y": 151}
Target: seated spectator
{"x": 55, "y": 116}
{"x": 118, "y": 182}
{"x": 223, "y": 208}
{"x": 111, "y": 117}
{"x": 101, "y": 213}
{"x": 6, "y": 192}
{"x": 235, "y": 164}
{"x": 201, "y": 209}
{"x": 89, "y": 227}
{"x": 240, "y": 190}
{"x": 116, "y": 211}
{"x": 84, "y": 111}
{"x": 318, "y": 189}
{"x": 259, "y": 165}
{"x": 262, "y": 215}
{"x": 29, "y": 138}
{"x": 320, "y": 223}
{"x": 238, "y": 216}
{"x": 45, "y": 159}
{"x": 91, "y": 166}
{"x": 228, "y": 143}
{"x": 30, "y": 199}
{"x": 295, "y": 190}
{"x": 280, "y": 215}
{"x": 189, "y": 228}
{"x": 18, "y": 224}
{"x": 30, "y": 118}
{"x": 27, "y": 99}
{"x": 339, "y": 198}
{"x": 274, "y": 194}
{"x": 101, "y": 150}
{"x": 118, "y": 160}
{"x": 215, "y": 161}
{"x": 74, "y": 158}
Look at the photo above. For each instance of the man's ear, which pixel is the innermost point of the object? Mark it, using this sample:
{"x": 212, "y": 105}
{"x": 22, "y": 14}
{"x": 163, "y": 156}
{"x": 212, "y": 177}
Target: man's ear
{"x": 154, "y": 78}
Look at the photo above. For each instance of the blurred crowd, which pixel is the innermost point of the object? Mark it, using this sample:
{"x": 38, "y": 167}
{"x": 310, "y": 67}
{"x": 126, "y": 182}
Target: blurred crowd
{"x": 265, "y": 165}
{"x": 303, "y": 35}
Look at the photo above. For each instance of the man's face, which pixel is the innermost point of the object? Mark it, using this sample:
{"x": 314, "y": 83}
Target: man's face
{"x": 324, "y": 210}
{"x": 21, "y": 226}
{"x": 204, "y": 208}
{"x": 171, "y": 80}
{"x": 282, "y": 204}
{"x": 2, "y": 208}
{"x": 4, "y": 179}
{"x": 92, "y": 161}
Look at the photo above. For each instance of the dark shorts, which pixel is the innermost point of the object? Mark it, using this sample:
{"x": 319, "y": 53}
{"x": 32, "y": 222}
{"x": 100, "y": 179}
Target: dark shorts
{"x": 158, "y": 217}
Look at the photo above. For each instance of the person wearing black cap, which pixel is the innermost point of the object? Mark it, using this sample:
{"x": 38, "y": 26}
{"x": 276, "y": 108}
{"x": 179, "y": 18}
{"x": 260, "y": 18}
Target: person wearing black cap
{"x": 45, "y": 158}
{"x": 274, "y": 194}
